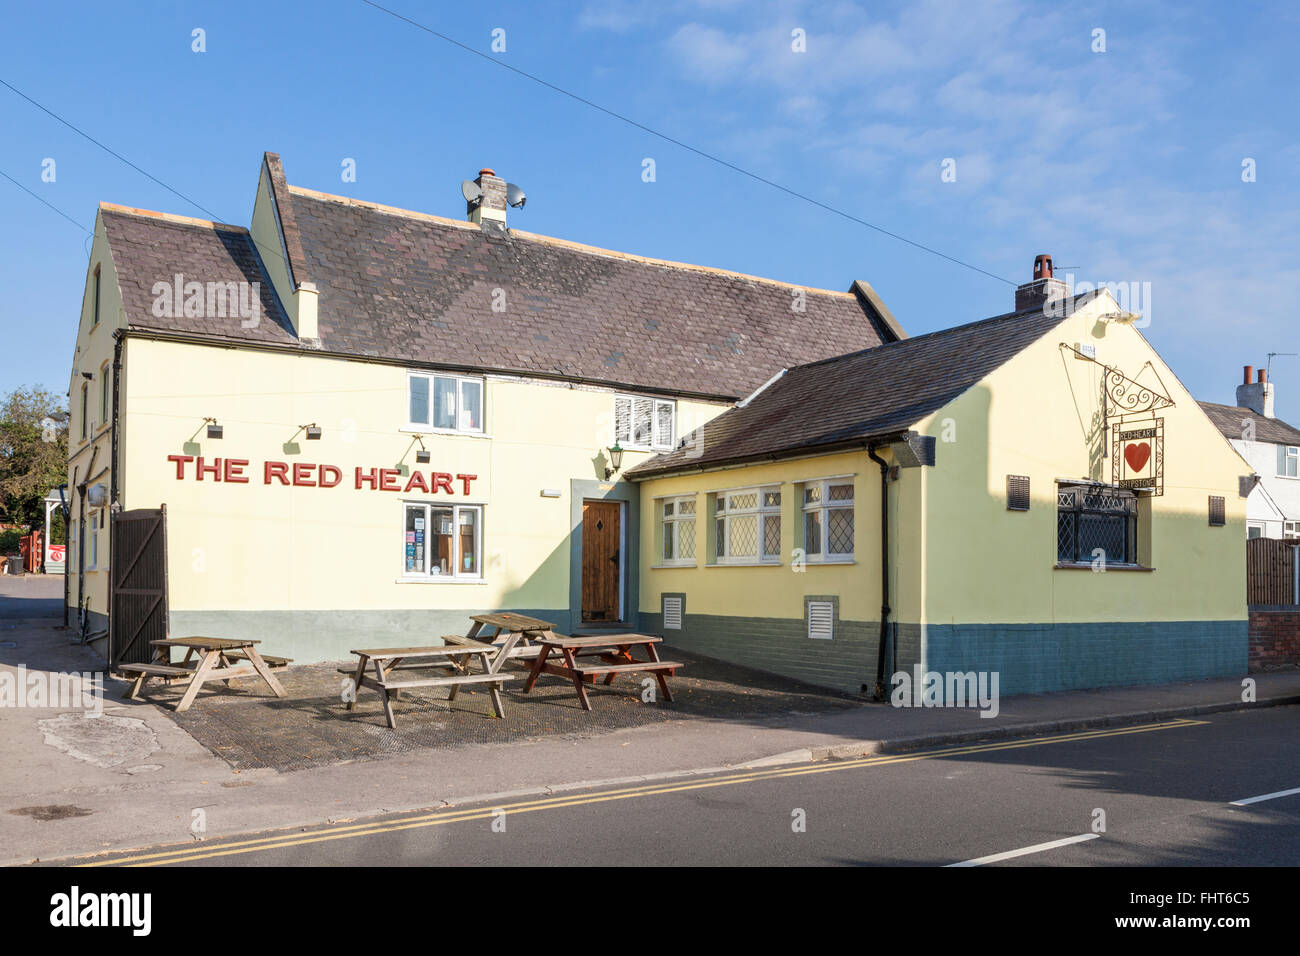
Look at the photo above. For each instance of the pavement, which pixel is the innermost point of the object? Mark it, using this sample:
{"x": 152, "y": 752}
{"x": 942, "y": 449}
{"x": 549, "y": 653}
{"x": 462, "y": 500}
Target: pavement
{"x": 74, "y": 786}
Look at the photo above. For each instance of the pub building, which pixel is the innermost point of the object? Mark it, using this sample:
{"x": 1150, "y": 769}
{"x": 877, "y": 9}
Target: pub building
{"x": 353, "y": 425}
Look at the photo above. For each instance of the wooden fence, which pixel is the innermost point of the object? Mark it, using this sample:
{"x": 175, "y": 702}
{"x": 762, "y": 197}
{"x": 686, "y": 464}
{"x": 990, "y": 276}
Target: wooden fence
{"x": 1270, "y": 571}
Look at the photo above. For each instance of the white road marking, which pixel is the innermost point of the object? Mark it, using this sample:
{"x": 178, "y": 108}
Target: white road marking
{"x": 1267, "y": 796}
{"x": 1025, "y": 851}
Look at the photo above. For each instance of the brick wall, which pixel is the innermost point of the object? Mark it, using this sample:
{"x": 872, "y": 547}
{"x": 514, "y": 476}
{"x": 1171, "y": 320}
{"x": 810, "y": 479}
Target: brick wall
{"x": 1274, "y": 638}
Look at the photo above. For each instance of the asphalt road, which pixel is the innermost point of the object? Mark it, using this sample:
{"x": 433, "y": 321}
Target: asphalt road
{"x": 1166, "y": 791}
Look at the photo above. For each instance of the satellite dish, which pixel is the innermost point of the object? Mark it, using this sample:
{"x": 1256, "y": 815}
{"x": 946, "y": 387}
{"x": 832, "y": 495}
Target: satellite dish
{"x": 515, "y": 195}
{"x": 471, "y": 191}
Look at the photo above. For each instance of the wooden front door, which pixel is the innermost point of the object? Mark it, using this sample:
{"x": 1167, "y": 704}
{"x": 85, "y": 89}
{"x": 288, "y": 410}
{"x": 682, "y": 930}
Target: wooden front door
{"x": 602, "y": 560}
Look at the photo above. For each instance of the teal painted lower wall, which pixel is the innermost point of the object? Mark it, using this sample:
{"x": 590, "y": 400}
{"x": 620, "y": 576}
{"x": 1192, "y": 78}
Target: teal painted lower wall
{"x": 1039, "y": 658}
{"x": 312, "y": 636}
{"x": 1028, "y": 658}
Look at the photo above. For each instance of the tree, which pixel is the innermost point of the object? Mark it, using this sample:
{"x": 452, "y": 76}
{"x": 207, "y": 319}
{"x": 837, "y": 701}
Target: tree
{"x": 33, "y": 453}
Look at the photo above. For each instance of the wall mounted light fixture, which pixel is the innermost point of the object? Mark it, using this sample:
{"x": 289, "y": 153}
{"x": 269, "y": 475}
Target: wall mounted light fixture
{"x": 422, "y": 456}
{"x": 214, "y": 429}
{"x": 615, "y": 460}
{"x": 313, "y": 431}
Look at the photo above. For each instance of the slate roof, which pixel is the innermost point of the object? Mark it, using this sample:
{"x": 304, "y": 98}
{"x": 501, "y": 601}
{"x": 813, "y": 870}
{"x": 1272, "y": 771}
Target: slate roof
{"x": 424, "y": 287}
{"x": 148, "y": 248}
{"x": 409, "y": 287}
{"x": 846, "y": 401}
{"x": 1228, "y": 419}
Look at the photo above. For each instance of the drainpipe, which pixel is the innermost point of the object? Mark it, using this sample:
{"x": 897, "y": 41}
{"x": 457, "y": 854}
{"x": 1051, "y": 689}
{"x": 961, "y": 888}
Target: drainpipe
{"x": 880, "y": 692}
{"x": 112, "y": 463}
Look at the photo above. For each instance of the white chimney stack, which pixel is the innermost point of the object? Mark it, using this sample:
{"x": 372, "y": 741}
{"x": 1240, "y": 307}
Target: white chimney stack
{"x": 1256, "y": 395}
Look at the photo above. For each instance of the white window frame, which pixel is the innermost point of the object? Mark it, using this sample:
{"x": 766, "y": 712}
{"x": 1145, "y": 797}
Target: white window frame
{"x": 723, "y": 512}
{"x": 825, "y": 506}
{"x": 94, "y": 541}
{"x": 85, "y": 410}
{"x": 671, "y": 528}
{"x": 105, "y": 397}
{"x": 658, "y": 441}
{"x": 1290, "y": 530}
{"x": 456, "y": 573}
{"x": 1290, "y": 460}
{"x": 462, "y": 427}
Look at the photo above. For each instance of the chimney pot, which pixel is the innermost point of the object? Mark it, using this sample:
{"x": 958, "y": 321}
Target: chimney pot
{"x": 1263, "y": 376}
{"x": 486, "y": 172}
{"x": 1042, "y": 267}
{"x": 1247, "y": 373}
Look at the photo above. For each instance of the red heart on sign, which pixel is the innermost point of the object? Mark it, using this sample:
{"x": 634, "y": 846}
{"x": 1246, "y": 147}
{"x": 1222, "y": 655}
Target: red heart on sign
{"x": 1137, "y": 455}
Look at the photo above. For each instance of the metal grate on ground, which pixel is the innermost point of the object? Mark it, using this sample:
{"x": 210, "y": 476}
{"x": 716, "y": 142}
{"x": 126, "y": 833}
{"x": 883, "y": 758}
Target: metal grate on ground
{"x": 309, "y": 728}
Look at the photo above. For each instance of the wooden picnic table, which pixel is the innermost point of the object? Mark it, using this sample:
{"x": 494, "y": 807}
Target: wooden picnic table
{"x": 455, "y": 655}
{"x": 614, "y": 652}
{"x": 219, "y": 658}
{"x": 515, "y": 634}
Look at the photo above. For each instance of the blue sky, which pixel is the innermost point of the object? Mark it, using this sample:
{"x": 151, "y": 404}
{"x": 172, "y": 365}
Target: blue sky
{"x": 1125, "y": 164}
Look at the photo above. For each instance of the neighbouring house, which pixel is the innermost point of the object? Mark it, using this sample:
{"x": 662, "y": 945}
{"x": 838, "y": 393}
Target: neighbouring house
{"x": 1272, "y": 448}
{"x": 349, "y": 424}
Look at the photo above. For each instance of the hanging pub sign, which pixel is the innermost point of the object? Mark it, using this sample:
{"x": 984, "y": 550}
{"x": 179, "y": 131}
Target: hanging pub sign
{"x": 1138, "y": 455}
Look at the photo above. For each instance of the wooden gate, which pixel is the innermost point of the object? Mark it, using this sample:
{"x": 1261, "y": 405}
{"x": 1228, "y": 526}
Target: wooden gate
{"x": 1270, "y": 571}
{"x": 138, "y": 575}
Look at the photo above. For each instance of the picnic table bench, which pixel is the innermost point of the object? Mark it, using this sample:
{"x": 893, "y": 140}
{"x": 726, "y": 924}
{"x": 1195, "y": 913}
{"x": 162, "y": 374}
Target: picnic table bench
{"x": 219, "y": 658}
{"x": 455, "y": 655}
{"x": 615, "y": 653}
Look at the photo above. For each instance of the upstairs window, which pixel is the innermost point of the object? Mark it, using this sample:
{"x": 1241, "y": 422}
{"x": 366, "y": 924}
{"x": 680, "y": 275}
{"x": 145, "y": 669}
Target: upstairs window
{"x": 1288, "y": 456}
{"x": 444, "y": 402}
{"x": 748, "y": 526}
{"x": 644, "y": 423}
{"x": 85, "y": 410}
{"x": 105, "y": 380}
{"x": 1095, "y": 518}
{"x": 828, "y": 519}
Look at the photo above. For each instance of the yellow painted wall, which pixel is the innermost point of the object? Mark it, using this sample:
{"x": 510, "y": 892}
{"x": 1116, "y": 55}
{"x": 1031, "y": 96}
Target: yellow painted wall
{"x": 769, "y": 590}
{"x": 253, "y": 546}
{"x": 94, "y": 354}
{"x": 1039, "y": 415}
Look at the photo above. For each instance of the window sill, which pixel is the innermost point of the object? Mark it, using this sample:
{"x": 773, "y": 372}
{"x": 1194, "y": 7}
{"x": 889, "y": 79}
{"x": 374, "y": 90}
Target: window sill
{"x": 845, "y": 560}
{"x": 746, "y": 564}
{"x": 1110, "y": 566}
{"x": 436, "y": 579}
{"x": 447, "y": 432}
{"x": 692, "y": 564}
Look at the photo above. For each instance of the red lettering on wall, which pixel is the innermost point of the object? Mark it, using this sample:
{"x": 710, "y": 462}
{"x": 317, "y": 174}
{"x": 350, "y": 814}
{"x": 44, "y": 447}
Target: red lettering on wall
{"x": 334, "y": 476}
{"x": 302, "y": 475}
{"x": 180, "y": 463}
{"x": 214, "y": 469}
{"x": 368, "y": 477}
{"x": 388, "y": 479}
{"x": 442, "y": 480}
{"x": 466, "y": 479}
{"x": 276, "y": 469}
{"x": 417, "y": 481}
{"x": 234, "y": 471}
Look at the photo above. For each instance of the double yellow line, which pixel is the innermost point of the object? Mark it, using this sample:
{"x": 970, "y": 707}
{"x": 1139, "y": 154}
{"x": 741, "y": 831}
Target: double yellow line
{"x": 191, "y": 853}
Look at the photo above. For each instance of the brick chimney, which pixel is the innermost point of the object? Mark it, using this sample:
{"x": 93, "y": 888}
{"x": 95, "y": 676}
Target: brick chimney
{"x": 1256, "y": 395}
{"x": 489, "y": 211}
{"x": 1043, "y": 289}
